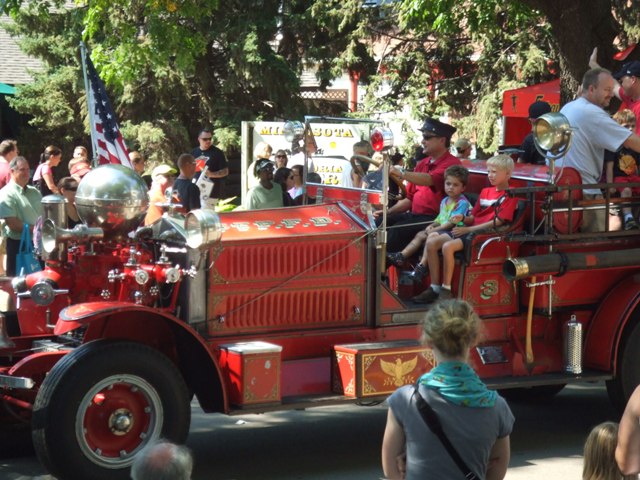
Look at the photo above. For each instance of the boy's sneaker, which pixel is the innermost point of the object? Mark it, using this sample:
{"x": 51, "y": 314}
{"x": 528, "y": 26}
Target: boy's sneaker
{"x": 631, "y": 224}
{"x": 395, "y": 258}
{"x": 419, "y": 272}
{"x": 445, "y": 294}
{"x": 428, "y": 296}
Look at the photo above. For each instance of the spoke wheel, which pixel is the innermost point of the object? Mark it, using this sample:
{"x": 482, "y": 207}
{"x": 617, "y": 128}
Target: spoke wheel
{"x": 104, "y": 402}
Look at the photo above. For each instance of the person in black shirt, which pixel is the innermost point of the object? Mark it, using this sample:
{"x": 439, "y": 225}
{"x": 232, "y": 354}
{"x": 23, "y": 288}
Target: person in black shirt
{"x": 217, "y": 166}
{"x": 188, "y": 192}
{"x": 529, "y": 152}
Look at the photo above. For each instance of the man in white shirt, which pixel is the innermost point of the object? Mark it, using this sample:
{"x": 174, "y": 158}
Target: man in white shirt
{"x": 594, "y": 131}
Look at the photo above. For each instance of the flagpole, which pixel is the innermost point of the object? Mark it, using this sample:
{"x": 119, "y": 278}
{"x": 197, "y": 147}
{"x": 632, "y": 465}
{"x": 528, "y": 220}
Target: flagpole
{"x": 83, "y": 56}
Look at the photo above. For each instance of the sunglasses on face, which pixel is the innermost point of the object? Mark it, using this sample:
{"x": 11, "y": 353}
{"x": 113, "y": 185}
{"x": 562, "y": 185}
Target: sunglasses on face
{"x": 206, "y": 139}
{"x": 429, "y": 137}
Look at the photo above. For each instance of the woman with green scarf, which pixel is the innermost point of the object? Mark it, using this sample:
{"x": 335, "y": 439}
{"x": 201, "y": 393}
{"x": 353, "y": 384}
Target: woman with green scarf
{"x": 476, "y": 420}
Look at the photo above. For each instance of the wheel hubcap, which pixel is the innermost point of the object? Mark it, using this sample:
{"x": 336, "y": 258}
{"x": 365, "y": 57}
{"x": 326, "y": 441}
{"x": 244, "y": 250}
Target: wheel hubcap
{"x": 120, "y": 422}
{"x": 117, "y": 417}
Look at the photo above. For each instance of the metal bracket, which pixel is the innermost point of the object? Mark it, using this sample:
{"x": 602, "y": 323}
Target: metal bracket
{"x": 482, "y": 247}
{"x": 539, "y": 284}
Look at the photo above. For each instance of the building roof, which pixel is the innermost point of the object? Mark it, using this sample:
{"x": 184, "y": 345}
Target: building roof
{"x": 15, "y": 66}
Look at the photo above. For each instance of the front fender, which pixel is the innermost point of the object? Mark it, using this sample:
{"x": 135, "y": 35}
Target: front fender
{"x": 603, "y": 337}
{"x": 160, "y": 330}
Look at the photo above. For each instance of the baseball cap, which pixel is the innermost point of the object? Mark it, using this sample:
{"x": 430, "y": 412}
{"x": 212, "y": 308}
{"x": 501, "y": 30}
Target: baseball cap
{"x": 164, "y": 169}
{"x": 263, "y": 164}
{"x": 539, "y": 108}
{"x": 431, "y": 125}
{"x": 630, "y": 68}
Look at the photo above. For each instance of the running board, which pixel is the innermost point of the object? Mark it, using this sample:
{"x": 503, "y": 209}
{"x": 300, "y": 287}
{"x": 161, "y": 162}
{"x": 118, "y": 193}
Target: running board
{"x": 504, "y": 383}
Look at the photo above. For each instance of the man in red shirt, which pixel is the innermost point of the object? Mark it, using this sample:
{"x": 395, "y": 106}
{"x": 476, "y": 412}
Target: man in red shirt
{"x": 627, "y": 86}
{"x": 425, "y": 186}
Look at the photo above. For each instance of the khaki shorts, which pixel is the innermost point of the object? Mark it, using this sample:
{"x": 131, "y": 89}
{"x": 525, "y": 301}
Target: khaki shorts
{"x": 594, "y": 220}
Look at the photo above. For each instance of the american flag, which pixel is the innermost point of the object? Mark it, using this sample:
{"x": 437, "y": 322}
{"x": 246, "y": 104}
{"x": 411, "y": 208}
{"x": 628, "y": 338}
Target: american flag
{"x": 110, "y": 146}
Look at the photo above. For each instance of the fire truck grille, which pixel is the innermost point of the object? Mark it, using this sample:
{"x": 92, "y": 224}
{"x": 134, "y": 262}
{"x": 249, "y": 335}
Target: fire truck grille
{"x": 280, "y": 261}
{"x": 280, "y": 286}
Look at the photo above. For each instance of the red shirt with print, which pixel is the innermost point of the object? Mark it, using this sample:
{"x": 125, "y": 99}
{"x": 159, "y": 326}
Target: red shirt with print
{"x": 485, "y": 208}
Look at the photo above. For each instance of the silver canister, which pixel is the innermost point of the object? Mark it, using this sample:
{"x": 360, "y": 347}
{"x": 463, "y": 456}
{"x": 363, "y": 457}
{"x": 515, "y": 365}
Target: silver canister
{"x": 573, "y": 346}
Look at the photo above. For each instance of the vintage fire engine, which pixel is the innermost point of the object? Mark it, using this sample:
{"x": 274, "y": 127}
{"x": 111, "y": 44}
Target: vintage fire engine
{"x": 254, "y": 311}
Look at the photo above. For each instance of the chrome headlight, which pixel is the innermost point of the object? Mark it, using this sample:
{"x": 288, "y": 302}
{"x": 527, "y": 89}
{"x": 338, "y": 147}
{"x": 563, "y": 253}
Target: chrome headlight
{"x": 203, "y": 228}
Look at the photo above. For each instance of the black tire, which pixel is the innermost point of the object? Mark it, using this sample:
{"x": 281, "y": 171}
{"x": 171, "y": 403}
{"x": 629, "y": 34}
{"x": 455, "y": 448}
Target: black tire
{"x": 627, "y": 376}
{"x": 529, "y": 394}
{"x": 103, "y": 403}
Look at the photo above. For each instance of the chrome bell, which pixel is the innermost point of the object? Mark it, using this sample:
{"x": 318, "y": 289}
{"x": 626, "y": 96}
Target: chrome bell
{"x": 5, "y": 341}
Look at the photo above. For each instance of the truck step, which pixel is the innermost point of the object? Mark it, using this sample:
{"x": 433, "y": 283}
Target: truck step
{"x": 504, "y": 383}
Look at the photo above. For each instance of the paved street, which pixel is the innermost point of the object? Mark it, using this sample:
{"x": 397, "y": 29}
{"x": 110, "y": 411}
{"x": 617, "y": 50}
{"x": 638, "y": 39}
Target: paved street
{"x": 344, "y": 442}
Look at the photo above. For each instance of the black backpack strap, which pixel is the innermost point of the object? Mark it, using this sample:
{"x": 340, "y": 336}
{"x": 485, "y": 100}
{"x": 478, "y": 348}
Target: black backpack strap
{"x": 433, "y": 422}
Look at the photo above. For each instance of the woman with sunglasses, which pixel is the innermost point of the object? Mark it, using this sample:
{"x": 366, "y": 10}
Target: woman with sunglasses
{"x": 68, "y": 187}
{"x": 284, "y": 177}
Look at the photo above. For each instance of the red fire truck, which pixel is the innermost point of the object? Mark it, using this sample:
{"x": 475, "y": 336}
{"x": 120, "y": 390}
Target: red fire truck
{"x": 254, "y": 311}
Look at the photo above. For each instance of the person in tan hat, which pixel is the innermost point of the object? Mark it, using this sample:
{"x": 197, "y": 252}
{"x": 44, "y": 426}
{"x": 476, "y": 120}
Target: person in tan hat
{"x": 463, "y": 147}
{"x": 162, "y": 178}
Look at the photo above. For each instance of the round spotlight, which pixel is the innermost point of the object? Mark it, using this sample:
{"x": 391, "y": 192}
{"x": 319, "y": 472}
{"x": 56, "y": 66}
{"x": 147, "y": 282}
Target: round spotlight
{"x": 203, "y": 228}
{"x": 552, "y": 134}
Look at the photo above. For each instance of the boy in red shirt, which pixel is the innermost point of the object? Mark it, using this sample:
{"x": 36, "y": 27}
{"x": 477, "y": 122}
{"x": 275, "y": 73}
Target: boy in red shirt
{"x": 492, "y": 209}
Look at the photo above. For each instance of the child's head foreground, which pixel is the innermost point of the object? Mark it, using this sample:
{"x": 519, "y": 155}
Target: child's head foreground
{"x": 499, "y": 169}
{"x": 452, "y": 327}
{"x": 599, "y": 453}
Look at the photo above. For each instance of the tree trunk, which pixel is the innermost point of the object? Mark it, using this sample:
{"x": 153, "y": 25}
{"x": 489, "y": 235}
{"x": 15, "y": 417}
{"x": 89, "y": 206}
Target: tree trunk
{"x": 578, "y": 27}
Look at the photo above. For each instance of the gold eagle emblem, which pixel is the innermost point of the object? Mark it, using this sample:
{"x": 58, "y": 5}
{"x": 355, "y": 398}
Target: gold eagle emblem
{"x": 398, "y": 369}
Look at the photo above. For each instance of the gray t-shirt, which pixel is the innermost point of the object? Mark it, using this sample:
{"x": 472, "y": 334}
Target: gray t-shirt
{"x": 472, "y": 431}
{"x": 594, "y": 132}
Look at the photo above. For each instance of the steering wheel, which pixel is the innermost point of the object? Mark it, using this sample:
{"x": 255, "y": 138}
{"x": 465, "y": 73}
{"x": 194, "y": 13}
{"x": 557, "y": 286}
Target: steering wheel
{"x": 356, "y": 166}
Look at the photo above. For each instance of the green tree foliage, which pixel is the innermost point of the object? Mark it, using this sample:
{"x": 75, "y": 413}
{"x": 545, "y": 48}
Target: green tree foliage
{"x": 172, "y": 66}
{"x": 455, "y": 58}
{"x": 55, "y": 100}
{"x": 520, "y": 40}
